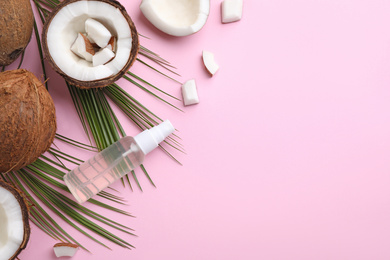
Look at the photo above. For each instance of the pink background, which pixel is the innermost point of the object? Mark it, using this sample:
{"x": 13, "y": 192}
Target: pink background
{"x": 287, "y": 152}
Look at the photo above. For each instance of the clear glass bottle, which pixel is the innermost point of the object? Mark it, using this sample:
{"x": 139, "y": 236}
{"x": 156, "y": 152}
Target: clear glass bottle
{"x": 114, "y": 162}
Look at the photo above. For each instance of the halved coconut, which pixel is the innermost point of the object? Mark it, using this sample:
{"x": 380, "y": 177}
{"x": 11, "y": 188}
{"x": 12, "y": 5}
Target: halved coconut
{"x": 177, "y": 17}
{"x": 14, "y": 225}
{"x": 98, "y": 20}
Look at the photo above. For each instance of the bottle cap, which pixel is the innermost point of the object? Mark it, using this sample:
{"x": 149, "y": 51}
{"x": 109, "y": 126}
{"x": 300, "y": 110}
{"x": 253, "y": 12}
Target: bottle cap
{"x": 150, "y": 138}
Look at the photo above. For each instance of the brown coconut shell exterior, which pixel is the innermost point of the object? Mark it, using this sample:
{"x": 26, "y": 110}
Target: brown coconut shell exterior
{"x": 25, "y": 215}
{"x": 66, "y": 244}
{"x": 96, "y": 83}
{"x": 27, "y": 119}
{"x": 16, "y": 25}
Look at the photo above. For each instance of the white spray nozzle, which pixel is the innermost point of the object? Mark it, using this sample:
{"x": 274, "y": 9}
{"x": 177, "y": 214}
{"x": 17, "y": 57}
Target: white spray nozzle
{"x": 150, "y": 138}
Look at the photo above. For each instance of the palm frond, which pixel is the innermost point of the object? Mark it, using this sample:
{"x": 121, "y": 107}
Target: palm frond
{"x": 42, "y": 181}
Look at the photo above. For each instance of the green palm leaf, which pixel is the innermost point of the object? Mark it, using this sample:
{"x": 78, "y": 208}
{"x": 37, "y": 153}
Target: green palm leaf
{"x": 42, "y": 181}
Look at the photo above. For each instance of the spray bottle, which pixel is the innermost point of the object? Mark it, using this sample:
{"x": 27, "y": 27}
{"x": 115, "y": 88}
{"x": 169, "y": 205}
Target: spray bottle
{"x": 114, "y": 162}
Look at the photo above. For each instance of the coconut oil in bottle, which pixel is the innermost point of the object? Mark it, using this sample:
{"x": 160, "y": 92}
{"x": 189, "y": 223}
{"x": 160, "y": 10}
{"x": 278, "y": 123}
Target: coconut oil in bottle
{"x": 114, "y": 162}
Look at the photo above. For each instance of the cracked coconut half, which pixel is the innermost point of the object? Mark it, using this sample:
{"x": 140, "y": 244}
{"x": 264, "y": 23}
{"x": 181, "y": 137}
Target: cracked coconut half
{"x": 90, "y": 43}
{"x": 14, "y": 225}
{"x": 177, "y": 17}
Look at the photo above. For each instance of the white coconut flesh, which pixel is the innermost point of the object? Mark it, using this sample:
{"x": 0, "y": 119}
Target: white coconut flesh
{"x": 11, "y": 224}
{"x": 209, "y": 62}
{"x": 65, "y": 249}
{"x": 70, "y": 21}
{"x": 177, "y": 17}
{"x": 83, "y": 47}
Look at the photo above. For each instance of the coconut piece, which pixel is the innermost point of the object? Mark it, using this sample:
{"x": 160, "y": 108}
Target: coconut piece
{"x": 27, "y": 119}
{"x": 97, "y": 32}
{"x": 14, "y": 224}
{"x": 83, "y": 47}
{"x": 209, "y": 62}
{"x": 190, "y": 94}
{"x": 231, "y": 10}
{"x": 65, "y": 249}
{"x": 177, "y": 17}
{"x": 16, "y": 23}
{"x": 67, "y": 20}
{"x": 90, "y": 40}
{"x": 112, "y": 44}
{"x": 102, "y": 57}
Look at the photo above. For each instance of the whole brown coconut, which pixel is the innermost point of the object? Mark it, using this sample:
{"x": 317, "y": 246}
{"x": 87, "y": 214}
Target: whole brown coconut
{"x": 27, "y": 119}
{"x": 25, "y": 216}
{"x": 100, "y": 82}
{"x": 16, "y": 25}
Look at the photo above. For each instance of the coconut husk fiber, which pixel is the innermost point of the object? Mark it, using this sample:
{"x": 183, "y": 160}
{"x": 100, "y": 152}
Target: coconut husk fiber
{"x": 27, "y": 119}
{"x": 16, "y": 25}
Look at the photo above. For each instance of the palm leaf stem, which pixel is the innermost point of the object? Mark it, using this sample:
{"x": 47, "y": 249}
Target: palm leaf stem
{"x": 156, "y": 57}
{"x": 151, "y": 85}
{"x": 156, "y": 70}
{"x": 134, "y": 114}
{"x": 21, "y": 59}
{"x": 76, "y": 143}
{"x": 79, "y": 109}
{"x": 151, "y": 93}
{"x": 59, "y": 154}
{"x": 136, "y": 180}
{"x": 40, "y": 52}
{"x": 164, "y": 65}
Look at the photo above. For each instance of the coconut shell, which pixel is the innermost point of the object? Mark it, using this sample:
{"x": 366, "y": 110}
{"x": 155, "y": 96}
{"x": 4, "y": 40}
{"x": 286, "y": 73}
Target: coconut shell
{"x": 96, "y": 83}
{"x": 16, "y": 25}
{"x": 25, "y": 215}
{"x": 27, "y": 119}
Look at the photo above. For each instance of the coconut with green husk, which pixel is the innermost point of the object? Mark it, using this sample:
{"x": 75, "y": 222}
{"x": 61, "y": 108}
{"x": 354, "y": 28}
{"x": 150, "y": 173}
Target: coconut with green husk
{"x": 91, "y": 43}
{"x": 27, "y": 119}
{"x": 16, "y": 25}
{"x": 14, "y": 222}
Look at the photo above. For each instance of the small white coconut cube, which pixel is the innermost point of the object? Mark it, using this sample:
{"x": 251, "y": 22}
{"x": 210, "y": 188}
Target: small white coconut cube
{"x": 231, "y": 10}
{"x": 190, "y": 93}
{"x": 102, "y": 57}
{"x": 97, "y": 32}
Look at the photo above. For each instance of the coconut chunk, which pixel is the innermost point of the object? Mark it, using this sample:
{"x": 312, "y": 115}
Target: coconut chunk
{"x": 102, "y": 57}
{"x": 91, "y": 41}
{"x": 97, "y": 32}
{"x": 112, "y": 44}
{"x": 82, "y": 47}
{"x": 231, "y": 10}
{"x": 123, "y": 50}
{"x": 209, "y": 62}
{"x": 65, "y": 249}
{"x": 190, "y": 94}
